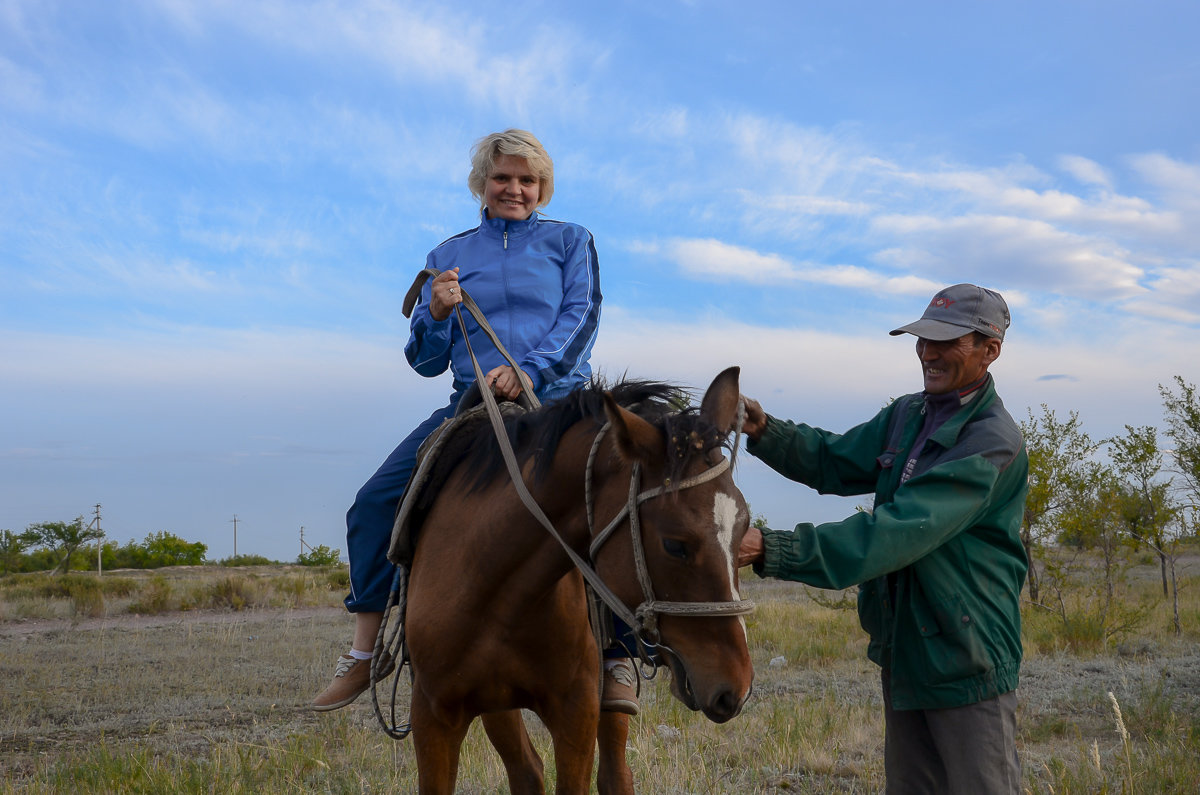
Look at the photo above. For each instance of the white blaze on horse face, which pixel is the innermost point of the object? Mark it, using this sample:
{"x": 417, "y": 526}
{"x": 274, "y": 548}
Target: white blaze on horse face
{"x": 725, "y": 512}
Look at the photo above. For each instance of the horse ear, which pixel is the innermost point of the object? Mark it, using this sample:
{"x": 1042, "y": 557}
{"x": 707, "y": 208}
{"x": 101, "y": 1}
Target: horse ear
{"x": 636, "y": 439}
{"x": 720, "y": 404}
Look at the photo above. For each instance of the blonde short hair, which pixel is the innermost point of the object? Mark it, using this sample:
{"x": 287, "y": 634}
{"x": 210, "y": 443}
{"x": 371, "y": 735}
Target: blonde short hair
{"x": 517, "y": 143}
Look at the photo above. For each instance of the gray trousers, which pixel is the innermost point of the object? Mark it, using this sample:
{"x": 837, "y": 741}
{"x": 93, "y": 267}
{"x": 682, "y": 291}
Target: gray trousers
{"x": 970, "y": 750}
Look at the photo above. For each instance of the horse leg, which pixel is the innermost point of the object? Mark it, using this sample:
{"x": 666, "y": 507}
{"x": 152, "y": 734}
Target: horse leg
{"x": 507, "y": 732}
{"x": 437, "y": 745}
{"x": 613, "y": 776}
{"x": 572, "y": 728}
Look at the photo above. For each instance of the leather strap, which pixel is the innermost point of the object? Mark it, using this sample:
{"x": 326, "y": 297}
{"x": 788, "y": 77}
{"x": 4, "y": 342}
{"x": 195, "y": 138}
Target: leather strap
{"x": 529, "y": 399}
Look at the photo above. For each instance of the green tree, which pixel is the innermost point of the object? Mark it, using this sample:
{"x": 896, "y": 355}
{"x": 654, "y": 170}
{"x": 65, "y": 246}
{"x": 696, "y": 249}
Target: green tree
{"x": 1062, "y": 471}
{"x": 166, "y": 549}
{"x": 156, "y": 551}
{"x": 1151, "y": 511}
{"x": 12, "y": 551}
{"x": 320, "y": 555}
{"x": 1086, "y": 578}
{"x": 1182, "y": 414}
{"x": 62, "y": 539}
{"x": 110, "y": 556}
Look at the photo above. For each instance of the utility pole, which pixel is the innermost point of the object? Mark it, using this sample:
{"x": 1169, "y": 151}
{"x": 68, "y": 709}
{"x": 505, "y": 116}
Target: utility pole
{"x": 235, "y": 521}
{"x": 99, "y": 542}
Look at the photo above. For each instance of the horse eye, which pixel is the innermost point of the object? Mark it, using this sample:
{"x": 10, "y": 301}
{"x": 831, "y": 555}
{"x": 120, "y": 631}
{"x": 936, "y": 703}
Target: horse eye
{"x": 675, "y": 548}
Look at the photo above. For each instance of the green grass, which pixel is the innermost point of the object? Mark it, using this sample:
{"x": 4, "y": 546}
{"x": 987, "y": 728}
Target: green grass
{"x": 212, "y": 699}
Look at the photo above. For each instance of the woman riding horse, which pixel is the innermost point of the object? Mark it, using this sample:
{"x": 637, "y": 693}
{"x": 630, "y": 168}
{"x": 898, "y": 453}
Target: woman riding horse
{"x": 537, "y": 281}
{"x": 617, "y": 487}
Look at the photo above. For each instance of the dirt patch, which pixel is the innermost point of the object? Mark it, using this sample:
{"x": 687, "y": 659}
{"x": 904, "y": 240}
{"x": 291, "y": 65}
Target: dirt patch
{"x": 225, "y": 692}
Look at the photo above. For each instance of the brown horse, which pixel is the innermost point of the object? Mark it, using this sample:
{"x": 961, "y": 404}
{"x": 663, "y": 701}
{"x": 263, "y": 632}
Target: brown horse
{"x": 497, "y": 617}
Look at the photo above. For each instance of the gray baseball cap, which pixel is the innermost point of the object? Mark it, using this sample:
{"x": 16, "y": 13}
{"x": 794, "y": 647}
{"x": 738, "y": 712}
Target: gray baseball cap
{"x": 958, "y": 310}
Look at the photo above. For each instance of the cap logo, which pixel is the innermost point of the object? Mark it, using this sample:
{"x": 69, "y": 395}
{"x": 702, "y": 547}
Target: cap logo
{"x": 941, "y": 302}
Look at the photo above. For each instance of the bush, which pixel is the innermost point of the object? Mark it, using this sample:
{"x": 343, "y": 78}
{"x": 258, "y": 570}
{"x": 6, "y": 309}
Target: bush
{"x": 158, "y": 550}
{"x": 320, "y": 555}
{"x": 12, "y": 551}
{"x": 85, "y": 593}
{"x": 88, "y": 602}
{"x": 117, "y": 586}
{"x": 235, "y": 593}
{"x": 248, "y": 560}
{"x": 157, "y": 597}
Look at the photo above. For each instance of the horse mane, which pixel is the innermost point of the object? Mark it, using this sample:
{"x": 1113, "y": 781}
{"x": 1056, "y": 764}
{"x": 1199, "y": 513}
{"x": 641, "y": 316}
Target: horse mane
{"x": 536, "y": 434}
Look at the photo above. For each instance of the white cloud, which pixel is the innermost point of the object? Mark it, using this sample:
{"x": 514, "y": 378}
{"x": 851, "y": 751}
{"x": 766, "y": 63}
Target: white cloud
{"x": 693, "y": 353}
{"x": 1003, "y": 250}
{"x": 160, "y": 95}
{"x": 1011, "y": 227}
{"x": 1175, "y": 294}
{"x": 1162, "y": 310}
{"x": 1086, "y": 170}
{"x": 241, "y": 365}
{"x": 713, "y": 260}
{"x": 1181, "y": 179}
{"x": 150, "y": 276}
{"x": 1095, "y": 364}
{"x": 435, "y": 45}
{"x": 1008, "y": 192}
{"x": 789, "y": 159}
{"x": 805, "y": 205}
{"x": 666, "y": 124}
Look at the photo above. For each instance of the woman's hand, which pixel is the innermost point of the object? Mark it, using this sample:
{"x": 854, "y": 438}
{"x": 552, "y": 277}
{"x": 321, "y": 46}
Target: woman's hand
{"x": 504, "y": 383}
{"x": 446, "y": 294}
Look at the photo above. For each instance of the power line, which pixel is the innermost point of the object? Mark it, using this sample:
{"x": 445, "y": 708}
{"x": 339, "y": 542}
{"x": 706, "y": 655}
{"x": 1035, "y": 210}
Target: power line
{"x": 99, "y": 542}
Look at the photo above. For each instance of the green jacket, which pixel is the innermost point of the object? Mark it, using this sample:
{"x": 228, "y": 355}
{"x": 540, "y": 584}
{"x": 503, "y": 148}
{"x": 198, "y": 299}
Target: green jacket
{"x": 948, "y": 627}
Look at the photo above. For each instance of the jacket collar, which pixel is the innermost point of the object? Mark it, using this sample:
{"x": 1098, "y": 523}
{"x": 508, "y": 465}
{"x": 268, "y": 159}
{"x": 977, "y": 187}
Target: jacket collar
{"x": 497, "y": 227}
{"x": 982, "y": 398}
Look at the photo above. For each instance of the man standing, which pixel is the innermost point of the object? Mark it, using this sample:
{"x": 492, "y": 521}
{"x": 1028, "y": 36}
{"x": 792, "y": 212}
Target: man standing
{"x": 938, "y": 560}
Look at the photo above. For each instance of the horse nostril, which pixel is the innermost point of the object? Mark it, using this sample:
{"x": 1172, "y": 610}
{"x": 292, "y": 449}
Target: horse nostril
{"x": 725, "y": 706}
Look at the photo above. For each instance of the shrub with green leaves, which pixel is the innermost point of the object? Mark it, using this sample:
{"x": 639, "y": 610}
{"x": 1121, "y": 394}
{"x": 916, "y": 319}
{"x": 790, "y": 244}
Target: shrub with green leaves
{"x": 320, "y": 555}
{"x": 247, "y": 560}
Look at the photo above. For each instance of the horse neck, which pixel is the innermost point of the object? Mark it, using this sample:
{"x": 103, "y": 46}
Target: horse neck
{"x": 526, "y": 549}
{"x": 562, "y": 494}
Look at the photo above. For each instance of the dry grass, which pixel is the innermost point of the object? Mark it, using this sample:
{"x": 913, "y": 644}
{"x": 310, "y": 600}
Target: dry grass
{"x": 212, "y": 700}
{"x": 152, "y": 592}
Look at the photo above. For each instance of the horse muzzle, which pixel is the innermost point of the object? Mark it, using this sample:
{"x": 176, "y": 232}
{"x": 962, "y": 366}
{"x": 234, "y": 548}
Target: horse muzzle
{"x": 720, "y": 702}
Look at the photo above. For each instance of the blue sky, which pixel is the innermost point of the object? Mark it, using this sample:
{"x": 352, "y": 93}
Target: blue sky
{"x": 209, "y": 213}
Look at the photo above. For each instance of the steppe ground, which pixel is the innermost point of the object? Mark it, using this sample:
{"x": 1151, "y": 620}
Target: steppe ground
{"x": 214, "y": 700}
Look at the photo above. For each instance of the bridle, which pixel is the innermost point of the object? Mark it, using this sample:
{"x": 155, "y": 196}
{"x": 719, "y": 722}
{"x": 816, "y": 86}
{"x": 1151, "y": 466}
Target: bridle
{"x": 642, "y": 620}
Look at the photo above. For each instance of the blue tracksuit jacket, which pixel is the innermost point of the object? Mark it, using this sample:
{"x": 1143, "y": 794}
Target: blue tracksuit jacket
{"x": 537, "y": 282}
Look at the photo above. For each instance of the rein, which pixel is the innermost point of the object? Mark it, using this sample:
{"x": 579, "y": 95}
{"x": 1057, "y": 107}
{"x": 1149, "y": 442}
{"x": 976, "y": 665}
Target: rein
{"x": 643, "y": 620}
